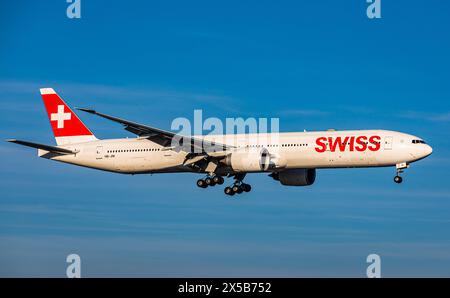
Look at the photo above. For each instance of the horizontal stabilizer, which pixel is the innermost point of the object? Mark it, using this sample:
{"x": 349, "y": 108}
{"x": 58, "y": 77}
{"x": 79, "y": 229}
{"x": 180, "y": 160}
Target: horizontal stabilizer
{"x": 43, "y": 147}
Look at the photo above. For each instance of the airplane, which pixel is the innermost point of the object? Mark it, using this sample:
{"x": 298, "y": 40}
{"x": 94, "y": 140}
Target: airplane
{"x": 290, "y": 158}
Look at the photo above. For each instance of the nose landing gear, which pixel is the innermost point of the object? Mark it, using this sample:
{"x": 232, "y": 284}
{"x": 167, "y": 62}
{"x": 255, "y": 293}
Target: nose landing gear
{"x": 400, "y": 168}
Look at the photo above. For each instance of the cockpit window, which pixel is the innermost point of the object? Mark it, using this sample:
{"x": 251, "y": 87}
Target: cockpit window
{"x": 418, "y": 142}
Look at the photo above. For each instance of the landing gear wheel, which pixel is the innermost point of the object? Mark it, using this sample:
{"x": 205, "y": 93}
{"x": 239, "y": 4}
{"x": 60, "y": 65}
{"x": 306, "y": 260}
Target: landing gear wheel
{"x": 228, "y": 191}
{"x": 236, "y": 189}
{"x": 201, "y": 183}
{"x": 400, "y": 167}
{"x": 218, "y": 180}
{"x": 239, "y": 186}
{"x": 398, "y": 179}
{"x": 209, "y": 181}
{"x": 246, "y": 187}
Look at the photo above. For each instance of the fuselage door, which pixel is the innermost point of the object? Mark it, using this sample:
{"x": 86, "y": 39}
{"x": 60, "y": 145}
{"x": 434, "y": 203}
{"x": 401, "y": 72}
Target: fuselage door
{"x": 387, "y": 143}
{"x": 99, "y": 152}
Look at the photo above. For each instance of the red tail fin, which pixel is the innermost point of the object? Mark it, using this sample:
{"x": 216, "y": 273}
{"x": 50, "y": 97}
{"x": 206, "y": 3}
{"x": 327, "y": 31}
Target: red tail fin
{"x": 67, "y": 127}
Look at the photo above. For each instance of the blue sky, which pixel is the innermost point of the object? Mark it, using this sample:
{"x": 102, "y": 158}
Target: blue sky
{"x": 314, "y": 64}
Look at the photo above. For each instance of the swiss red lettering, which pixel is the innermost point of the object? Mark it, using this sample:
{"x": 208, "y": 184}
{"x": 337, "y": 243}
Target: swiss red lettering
{"x": 361, "y": 143}
{"x": 374, "y": 143}
{"x": 352, "y": 143}
{"x": 337, "y": 143}
{"x": 321, "y": 145}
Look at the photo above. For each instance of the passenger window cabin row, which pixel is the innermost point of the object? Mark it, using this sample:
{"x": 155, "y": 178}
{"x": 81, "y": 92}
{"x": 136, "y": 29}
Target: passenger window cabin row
{"x": 133, "y": 150}
{"x": 248, "y": 146}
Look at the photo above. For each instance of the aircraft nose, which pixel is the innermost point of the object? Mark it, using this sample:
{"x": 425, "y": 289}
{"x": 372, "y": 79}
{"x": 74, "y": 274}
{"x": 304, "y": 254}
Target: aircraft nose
{"x": 428, "y": 150}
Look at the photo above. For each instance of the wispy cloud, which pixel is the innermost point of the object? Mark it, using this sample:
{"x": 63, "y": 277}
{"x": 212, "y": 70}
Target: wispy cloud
{"x": 443, "y": 116}
{"x": 357, "y": 109}
{"x": 435, "y": 117}
{"x": 117, "y": 94}
{"x": 304, "y": 113}
{"x": 122, "y": 95}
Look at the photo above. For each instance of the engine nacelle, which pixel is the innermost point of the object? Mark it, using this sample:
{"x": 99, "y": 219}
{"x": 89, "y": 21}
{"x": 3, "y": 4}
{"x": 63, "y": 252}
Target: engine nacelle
{"x": 249, "y": 160}
{"x": 295, "y": 177}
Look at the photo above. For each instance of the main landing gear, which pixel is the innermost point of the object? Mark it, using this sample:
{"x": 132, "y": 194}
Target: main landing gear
{"x": 238, "y": 186}
{"x": 400, "y": 168}
{"x": 210, "y": 181}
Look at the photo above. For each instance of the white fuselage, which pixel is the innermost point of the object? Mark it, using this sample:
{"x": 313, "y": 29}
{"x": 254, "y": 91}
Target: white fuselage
{"x": 295, "y": 150}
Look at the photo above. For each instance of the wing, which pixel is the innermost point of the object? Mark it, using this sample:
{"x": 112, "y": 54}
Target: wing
{"x": 164, "y": 138}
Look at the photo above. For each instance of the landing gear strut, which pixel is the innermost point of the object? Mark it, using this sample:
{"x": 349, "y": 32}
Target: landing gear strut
{"x": 400, "y": 168}
{"x": 238, "y": 186}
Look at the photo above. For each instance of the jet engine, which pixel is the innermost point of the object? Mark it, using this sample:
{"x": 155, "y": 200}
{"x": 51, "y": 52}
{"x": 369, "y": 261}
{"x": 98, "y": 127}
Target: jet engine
{"x": 245, "y": 160}
{"x": 295, "y": 177}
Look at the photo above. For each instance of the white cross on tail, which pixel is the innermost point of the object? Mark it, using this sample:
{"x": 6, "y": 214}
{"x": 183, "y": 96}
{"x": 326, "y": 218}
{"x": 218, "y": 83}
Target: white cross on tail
{"x": 60, "y": 116}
